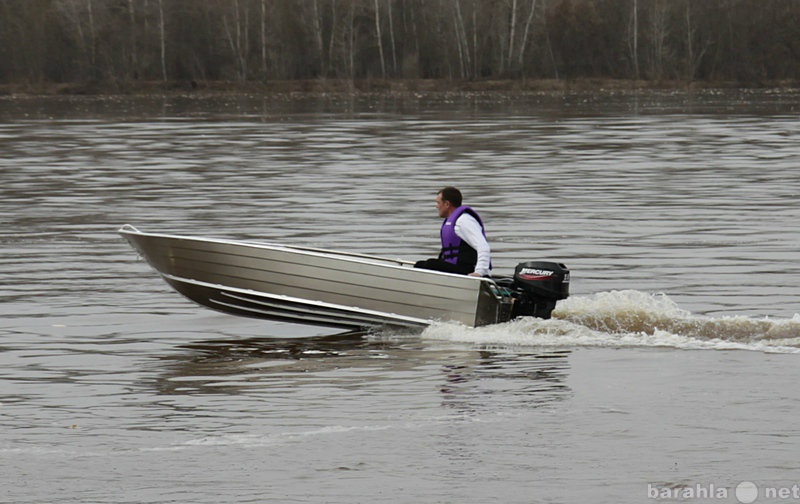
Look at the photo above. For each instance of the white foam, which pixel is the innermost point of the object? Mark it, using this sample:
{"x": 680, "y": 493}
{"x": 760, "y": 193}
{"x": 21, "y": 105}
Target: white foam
{"x": 630, "y": 319}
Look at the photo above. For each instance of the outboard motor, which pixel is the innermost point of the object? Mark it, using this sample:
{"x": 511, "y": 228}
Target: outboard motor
{"x": 537, "y": 286}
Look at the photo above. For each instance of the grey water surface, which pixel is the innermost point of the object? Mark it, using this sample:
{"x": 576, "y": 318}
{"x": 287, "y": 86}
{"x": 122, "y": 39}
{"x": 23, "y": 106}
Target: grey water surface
{"x": 672, "y": 370}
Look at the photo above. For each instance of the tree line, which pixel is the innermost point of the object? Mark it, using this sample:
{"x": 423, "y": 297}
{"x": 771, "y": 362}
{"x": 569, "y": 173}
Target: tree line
{"x": 123, "y": 41}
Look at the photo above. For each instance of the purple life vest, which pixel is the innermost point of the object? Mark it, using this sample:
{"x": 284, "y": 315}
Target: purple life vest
{"x": 454, "y": 249}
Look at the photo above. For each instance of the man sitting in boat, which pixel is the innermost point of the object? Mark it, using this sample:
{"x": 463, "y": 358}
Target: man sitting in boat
{"x": 464, "y": 246}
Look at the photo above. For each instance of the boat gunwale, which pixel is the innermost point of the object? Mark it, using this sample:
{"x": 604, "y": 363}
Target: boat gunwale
{"x": 355, "y": 258}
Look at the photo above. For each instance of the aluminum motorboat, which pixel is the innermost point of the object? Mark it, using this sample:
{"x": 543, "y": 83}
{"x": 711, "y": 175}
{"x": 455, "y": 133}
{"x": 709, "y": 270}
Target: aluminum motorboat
{"x": 339, "y": 289}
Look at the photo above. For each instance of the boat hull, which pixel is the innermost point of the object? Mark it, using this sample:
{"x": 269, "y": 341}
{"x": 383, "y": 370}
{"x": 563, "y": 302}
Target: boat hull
{"x": 315, "y": 286}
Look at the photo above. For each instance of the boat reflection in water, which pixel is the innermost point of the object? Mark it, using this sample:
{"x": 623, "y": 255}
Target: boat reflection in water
{"x": 369, "y": 366}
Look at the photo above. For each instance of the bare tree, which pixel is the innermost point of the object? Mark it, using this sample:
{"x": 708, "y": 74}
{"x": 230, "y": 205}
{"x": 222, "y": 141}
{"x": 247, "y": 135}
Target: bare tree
{"x": 694, "y": 55}
{"x": 528, "y": 23}
{"x": 237, "y": 34}
{"x": 134, "y": 52}
{"x": 659, "y": 34}
{"x": 92, "y": 38}
{"x": 634, "y": 39}
{"x": 380, "y": 38}
{"x": 474, "y": 40}
{"x": 318, "y": 36}
{"x": 392, "y": 40}
{"x": 511, "y": 33}
{"x": 351, "y": 40}
{"x": 461, "y": 41}
{"x": 333, "y": 31}
{"x": 264, "y": 71}
{"x": 163, "y": 39}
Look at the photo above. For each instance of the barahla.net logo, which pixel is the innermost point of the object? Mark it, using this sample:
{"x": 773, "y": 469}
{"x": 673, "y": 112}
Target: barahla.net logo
{"x": 745, "y": 492}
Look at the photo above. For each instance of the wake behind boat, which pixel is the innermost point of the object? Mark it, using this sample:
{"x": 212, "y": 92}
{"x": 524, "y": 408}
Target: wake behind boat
{"x": 339, "y": 289}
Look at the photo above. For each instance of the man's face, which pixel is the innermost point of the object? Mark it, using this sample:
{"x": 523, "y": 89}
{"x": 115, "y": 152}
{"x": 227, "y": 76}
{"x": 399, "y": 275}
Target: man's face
{"x": 443, "y": 206}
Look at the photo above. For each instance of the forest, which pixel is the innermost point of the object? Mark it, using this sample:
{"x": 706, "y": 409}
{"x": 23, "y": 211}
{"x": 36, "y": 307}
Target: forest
{"x": 121, "y": 42}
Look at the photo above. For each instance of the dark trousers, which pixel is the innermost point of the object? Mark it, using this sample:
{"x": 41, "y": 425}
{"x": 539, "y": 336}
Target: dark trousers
{"x": 437, "y": 264}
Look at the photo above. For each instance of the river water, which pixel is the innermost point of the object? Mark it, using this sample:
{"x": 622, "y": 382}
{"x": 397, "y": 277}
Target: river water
{"x": 670, "y": 374}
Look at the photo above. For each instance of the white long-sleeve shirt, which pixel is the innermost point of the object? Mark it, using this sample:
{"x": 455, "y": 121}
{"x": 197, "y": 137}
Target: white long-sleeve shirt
{"x": 468, "y": 229}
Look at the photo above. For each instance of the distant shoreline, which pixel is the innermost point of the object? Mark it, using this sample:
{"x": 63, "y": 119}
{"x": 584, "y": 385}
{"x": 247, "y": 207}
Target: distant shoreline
{"x": 377, "y": 86}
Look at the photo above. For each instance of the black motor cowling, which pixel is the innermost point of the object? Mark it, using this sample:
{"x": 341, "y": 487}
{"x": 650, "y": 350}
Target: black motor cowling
{"x": 543, "y": 279}
{"x": 538, "y": 285}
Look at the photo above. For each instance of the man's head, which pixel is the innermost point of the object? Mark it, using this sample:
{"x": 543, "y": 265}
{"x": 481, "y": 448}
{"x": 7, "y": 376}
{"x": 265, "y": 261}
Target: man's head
{"x": 447, "y": 200}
